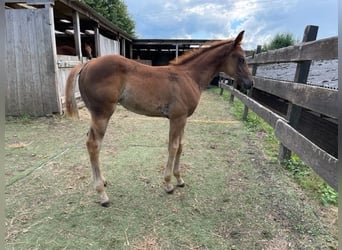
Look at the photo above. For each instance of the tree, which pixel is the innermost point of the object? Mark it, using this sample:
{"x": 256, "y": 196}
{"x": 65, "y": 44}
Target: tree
{"x": 116, "y": 12}
{"x": 281, "y": 40}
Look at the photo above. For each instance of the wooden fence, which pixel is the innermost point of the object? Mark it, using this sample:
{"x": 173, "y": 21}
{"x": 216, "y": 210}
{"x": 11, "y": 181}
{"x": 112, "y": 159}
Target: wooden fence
{"x": 304, "y": 117}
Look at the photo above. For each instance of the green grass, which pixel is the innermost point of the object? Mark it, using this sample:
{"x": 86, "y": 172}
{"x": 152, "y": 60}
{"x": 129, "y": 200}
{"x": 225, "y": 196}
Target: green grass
{"x": 303, "y": 174}
{"x": 309, "y": 181}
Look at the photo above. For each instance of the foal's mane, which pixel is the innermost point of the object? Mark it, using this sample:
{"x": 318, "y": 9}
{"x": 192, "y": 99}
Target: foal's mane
{"x": 187, "y": 56}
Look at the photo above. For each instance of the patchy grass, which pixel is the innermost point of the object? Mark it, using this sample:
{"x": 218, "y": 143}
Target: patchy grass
{"x": 236, "y": 196}
{"x": 311, "y": 181}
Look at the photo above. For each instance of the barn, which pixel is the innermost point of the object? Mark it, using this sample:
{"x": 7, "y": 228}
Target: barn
{"x": 45, "y": 39}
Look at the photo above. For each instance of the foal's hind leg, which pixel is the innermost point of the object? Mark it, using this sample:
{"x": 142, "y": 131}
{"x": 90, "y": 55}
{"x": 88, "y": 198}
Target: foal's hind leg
{"x": 95, "y": 136}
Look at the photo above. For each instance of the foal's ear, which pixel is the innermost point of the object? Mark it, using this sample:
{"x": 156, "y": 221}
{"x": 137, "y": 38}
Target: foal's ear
{"x": 238, "y": 39}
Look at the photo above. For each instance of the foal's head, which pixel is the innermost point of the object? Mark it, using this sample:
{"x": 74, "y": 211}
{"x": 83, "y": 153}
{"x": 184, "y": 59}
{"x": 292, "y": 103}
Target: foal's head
{"x": 235, "y": 64}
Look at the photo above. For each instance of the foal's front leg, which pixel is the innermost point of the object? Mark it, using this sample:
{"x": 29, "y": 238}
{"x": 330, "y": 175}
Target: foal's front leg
{"x": 175, "y": 150}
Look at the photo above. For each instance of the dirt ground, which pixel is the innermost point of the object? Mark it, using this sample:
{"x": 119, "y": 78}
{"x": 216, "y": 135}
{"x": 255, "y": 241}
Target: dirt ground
{"x": 236, "y": 196}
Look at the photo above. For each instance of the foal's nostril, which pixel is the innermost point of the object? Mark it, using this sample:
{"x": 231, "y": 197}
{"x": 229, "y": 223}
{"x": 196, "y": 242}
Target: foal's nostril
{"x": 249, "y": 84}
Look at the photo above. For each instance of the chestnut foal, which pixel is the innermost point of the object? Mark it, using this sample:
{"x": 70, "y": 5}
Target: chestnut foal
{"x": 171, "y": 91}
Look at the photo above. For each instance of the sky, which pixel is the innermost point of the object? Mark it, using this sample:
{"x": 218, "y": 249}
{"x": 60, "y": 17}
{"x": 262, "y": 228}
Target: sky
{"x": 223, "y": 19}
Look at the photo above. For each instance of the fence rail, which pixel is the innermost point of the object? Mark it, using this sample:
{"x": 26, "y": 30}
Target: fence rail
{"x": 304, "y": 117}
{"x": 325, "y": 49}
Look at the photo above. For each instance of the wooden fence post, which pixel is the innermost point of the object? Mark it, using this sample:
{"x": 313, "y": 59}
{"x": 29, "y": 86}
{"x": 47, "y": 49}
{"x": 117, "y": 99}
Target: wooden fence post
{"x": 231, "y": 100}
{"x": 97, "y": 41}
{"x": 250, "y": 92}
{"x": 219, "y": 84}
{"x": 301, "y": 76}
{"x": 77, "y": 33}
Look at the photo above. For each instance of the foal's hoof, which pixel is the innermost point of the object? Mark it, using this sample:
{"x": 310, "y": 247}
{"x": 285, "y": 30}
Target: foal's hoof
{"x": 105, "y": 204}
{"x": 181, "y": 185}
{"x": 169, "y": 189}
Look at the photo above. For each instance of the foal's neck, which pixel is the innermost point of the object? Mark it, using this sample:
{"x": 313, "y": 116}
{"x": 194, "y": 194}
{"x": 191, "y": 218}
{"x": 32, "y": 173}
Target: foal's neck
{"x": 206, "y": 65}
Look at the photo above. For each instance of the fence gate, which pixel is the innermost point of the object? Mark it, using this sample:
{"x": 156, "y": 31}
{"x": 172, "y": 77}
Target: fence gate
{"x": 65, "y": 64}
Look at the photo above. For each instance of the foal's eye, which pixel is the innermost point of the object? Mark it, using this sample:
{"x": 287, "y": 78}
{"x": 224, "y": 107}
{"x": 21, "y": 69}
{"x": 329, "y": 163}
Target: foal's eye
{"x": 242, "y": 60}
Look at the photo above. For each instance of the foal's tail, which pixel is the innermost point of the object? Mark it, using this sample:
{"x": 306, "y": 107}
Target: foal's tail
{"x": 70, "y": 101}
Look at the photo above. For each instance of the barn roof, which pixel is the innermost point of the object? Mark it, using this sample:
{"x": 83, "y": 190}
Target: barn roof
{"x": 88, "y": 17}
{"x": 63, "y": 10}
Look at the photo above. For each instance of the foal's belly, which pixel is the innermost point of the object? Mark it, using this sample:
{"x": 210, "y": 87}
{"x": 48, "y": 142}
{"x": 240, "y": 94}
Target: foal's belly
{"x": 146, "y": 106}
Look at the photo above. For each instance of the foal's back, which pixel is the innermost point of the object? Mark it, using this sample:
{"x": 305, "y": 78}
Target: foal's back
{"x": 165, "y": 91}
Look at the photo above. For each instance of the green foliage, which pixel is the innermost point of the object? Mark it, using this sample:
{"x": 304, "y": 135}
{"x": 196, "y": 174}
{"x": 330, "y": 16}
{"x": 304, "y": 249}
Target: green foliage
{"x": 116, "y": 12}
{"x": 297, "y": 168}
{"x": 328, "y": 195}
{"x": 281, "y": 40}
{"x": 311, "y": 182}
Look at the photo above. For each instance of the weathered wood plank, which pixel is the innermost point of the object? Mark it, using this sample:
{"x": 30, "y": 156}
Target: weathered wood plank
{"x": 37, "y": 50}
{"x": 77, "y": 31}
{"x": 11, "y": 97}
{"x": 30, "y": 1}
{"x": 31, "y": 85}
{"x": 65, "y": 64}
{"x": 47, "y": 65}
{"x": 320, "y": 100}
{"x": 324, "y": 49}
{"x": 250, "y": 92}
{"x": 321, "y": 162}
{"x": 108, "y": 46}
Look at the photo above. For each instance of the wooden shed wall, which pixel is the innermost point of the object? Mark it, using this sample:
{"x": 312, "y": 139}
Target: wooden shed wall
{"x": 108, "y": 46}
{"x": 31, "y": 85}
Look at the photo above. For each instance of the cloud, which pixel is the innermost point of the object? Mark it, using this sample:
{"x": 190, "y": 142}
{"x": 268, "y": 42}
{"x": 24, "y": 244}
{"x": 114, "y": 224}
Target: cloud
{"x": 221, "y": 19}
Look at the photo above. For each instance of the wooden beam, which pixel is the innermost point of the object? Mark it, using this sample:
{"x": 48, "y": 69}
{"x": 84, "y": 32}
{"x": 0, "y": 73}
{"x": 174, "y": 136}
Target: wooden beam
{"x": 77, "y": 34}
{"x": 85, "y": 10}
{"x": 33, "y": 2}
{"x": 177, "y": 50}
{"x": 324, "y": 49}
{"x": 250, "y": 92}
{"x": 268, "y": 115}
{"x": 54, "y": 52}
{"x": 320, "y": 100}
{"x": 320, "y": 161}
{"x": 123, "y": 47}
{"x": 97, "y": 41}
{"x": 301, "y": 76}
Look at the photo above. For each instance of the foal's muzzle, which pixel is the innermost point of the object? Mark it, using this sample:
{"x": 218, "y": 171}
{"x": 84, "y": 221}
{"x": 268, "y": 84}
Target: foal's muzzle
{"x": 246, "y": 83}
